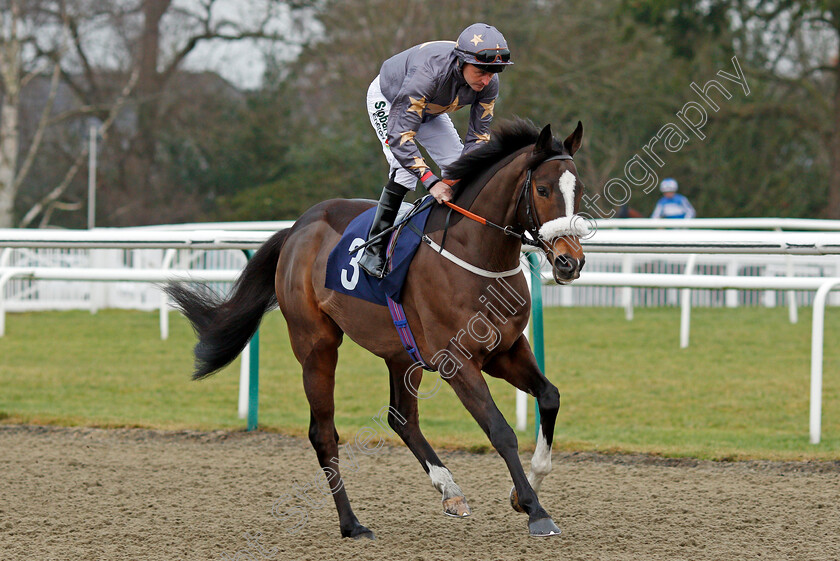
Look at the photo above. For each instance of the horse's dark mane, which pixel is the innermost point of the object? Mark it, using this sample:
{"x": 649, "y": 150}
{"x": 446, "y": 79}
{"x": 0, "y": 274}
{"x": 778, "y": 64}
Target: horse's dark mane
{"x": 510, "y": 137}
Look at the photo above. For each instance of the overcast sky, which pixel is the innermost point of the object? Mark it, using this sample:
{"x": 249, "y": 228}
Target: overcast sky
{"x": 240, "y": 62}
{"x": 243, "y": 62}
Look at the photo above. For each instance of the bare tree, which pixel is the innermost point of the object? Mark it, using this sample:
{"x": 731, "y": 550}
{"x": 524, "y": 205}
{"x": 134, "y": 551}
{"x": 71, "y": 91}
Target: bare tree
{"x": 15, "y": 72}
{"x": 789, "y": 47}
{"x": 102, "y": 44}
{"x": 51, "y": 200}
{"x": 10, "y": 68}
{"x": 169, "y": 32}
{"x": 35, "y": 39}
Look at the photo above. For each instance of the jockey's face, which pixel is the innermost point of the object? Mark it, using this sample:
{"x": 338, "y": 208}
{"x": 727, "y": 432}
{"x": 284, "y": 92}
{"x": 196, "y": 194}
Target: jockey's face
{"x": 476, "y": 78}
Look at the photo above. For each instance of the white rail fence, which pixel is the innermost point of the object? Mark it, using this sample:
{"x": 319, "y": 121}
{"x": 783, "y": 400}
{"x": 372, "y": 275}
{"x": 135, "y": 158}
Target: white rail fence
{"x": 38, "y": 267}
{"x": 31, "y": 295}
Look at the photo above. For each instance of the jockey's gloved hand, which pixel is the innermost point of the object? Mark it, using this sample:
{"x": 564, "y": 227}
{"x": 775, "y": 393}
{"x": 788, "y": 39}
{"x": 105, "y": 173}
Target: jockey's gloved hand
{"x": 442, "y": 191}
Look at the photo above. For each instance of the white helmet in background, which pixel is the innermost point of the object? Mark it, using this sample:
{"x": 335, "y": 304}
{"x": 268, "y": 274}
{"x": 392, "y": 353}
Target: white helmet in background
{"x": 668, "y": 185}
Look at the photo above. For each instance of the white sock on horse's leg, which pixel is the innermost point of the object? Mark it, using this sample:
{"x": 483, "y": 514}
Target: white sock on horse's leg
{"x": 443, "y": 482}
{"x": 540, "y": 463}
{"x": 454, "y": 502}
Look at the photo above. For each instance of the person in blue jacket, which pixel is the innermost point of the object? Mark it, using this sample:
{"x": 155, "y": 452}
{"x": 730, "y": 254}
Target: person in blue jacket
{"x": 408, "y": 104}
{"x": 672, "y": 204}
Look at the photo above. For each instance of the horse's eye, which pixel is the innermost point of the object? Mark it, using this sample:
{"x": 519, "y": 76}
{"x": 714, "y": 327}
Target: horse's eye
{"x": 542, "y": 191}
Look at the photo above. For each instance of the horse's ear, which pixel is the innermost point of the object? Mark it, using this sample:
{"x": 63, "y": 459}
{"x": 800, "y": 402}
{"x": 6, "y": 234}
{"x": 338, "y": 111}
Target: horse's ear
{"x": 544, "y": 141}
{"x": 572, "y": 143}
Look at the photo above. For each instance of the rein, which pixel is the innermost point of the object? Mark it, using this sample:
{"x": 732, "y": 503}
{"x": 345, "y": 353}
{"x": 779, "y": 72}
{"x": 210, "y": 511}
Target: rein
{"x": 527, "y": 194}
{"x": 533, "y": 227}
{"x": 506, "y": 229}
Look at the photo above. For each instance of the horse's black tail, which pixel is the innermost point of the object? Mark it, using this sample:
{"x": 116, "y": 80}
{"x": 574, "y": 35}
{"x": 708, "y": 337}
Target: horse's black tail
{"x": 224, "y": 327}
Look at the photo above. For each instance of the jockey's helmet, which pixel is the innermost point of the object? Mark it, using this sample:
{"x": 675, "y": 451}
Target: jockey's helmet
{"x": 484, "y": 46}
{"x": 668, "y": 185}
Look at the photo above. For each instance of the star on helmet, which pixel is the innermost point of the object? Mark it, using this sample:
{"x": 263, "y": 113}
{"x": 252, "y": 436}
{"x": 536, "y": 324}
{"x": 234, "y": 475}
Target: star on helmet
{"x": 469, "y": 48}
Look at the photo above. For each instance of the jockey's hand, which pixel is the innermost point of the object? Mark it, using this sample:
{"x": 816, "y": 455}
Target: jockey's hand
{"x": 441, "y": 192}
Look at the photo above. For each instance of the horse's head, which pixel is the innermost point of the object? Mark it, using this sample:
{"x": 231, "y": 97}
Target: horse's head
{"x": 551, "y": 199}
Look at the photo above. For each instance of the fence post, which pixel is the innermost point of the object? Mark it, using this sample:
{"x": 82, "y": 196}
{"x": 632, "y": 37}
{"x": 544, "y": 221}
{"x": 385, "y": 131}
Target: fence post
{"x": 4, "y": 278}
{"x": 685, "y": 304}
{"x": 627, "y": 292}
{"x": 168, "y": 258}
{"x": 731, "y": 293}
{"x": 254, "y": 371}
{"x": 537, "y": 342}
{"x": 254, "y": 381}
{"x": 244, "y": 375}
{"x": 793, "y": 313}
{"x": 817, "y": 340}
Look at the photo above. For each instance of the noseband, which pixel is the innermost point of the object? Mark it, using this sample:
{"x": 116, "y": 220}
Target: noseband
{"x": 527, "y": 195}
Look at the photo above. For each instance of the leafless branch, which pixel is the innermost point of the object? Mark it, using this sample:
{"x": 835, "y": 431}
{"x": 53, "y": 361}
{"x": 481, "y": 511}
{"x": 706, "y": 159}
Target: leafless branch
{"x": 57, "y": 205}
{"x": 36, "y": 71}
{"x": 43, "y": 122}
{"x": 73, "y": 28}
{"x": 56, "y": 193}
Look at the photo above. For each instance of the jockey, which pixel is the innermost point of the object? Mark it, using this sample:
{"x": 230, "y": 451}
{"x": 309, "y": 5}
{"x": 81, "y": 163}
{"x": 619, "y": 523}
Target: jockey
{"x": 408, "y": 104}
{"x": 672, "y": 204}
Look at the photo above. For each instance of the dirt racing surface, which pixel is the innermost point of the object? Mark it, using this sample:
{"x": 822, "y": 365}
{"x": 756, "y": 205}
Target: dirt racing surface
{"x": 89, "y": 494}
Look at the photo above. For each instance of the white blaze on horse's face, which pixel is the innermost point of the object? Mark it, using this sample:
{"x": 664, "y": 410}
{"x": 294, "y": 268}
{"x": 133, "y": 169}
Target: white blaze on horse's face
{"x": 562, "y": 234}
{"x": 567, "y": 188}
{"x": 571, "y": 224}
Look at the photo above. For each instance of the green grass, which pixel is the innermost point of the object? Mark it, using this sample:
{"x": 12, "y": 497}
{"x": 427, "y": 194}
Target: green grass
{"x": 740, "y": 391}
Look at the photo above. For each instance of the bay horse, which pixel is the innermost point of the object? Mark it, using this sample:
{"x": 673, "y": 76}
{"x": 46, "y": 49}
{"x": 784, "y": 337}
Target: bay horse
{"x": 523, "y": 180}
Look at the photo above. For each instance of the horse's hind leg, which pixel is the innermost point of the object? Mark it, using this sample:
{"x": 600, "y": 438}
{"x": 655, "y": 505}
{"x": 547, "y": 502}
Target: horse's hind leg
{"x": 316, "y": 347}
{"x": 519, "y": 367}
{"x": 403, "y": 418}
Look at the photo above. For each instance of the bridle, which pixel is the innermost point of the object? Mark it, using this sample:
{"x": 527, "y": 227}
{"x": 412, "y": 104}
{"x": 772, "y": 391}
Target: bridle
{"x": 533, "y": 227}
{"x": 526, "y": 194}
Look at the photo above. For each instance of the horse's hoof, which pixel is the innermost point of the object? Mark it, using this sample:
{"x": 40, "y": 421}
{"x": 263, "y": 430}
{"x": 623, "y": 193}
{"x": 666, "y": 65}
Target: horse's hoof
{"x": 543, "y": 528}
{"x": 361, "y": 533}
{"x": 514, "y": 500}
{"x": 456, "y": 507}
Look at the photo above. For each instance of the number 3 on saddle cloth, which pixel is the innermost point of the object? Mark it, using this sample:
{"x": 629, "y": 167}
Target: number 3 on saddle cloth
{"x": 344, "y": 274}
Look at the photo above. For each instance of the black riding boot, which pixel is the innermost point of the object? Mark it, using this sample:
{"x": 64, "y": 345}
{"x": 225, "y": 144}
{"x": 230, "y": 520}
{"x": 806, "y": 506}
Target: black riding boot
{"x": 373, "y": 260}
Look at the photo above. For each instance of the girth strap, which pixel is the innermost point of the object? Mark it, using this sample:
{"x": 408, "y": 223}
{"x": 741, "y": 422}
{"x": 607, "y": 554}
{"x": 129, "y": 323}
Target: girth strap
{"x": 406, "y": 337}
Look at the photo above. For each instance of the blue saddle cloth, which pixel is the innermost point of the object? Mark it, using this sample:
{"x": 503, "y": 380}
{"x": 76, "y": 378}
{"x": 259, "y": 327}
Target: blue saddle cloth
{"x": 344, "y": 274}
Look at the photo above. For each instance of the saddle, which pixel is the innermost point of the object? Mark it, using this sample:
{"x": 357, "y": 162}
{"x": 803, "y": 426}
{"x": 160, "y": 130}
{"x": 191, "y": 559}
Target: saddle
{"x": 343, "y": 272}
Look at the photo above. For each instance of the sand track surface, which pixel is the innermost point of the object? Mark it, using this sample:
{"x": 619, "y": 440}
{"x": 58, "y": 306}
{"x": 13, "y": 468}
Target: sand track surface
{"x": 84, "y": 493}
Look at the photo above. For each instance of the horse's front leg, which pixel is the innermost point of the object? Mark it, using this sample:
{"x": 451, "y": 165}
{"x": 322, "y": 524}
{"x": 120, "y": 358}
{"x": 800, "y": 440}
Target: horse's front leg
{"x": 472, "y": 390}
{"x": 404, "y": 419}
{"x": 519, "y": 367}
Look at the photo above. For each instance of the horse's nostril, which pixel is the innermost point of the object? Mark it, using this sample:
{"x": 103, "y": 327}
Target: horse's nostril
{"x": 564, "y": 264}
{"x": 581, "y": 263}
